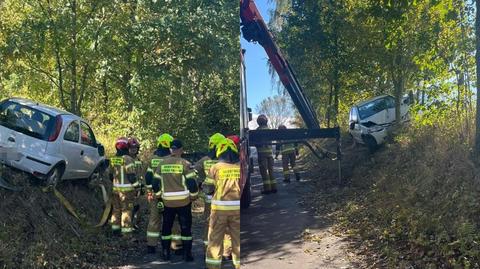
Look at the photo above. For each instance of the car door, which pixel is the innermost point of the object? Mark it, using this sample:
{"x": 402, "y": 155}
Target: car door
{"x": 90, "y": 155}
{"x": 72, "y": 149}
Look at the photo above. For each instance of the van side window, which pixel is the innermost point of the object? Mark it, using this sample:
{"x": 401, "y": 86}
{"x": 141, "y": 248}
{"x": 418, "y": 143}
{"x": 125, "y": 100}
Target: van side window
{"x": 72, "y": 133}
{"x": 390, "y": 102}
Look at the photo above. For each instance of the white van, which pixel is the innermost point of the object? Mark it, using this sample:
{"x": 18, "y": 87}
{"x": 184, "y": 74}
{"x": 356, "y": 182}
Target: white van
{"x": 47, "y": 142}
{"x": 370, "y": 120}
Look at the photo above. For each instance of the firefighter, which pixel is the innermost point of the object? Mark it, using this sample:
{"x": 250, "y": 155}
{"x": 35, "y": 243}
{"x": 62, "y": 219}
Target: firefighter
{"x": 124, "y": 188}
{"x": 177, "y": 187}
{"x": 265, "y": 160}
{"x": 289, "y": 153}
{"x": 203, "y": 167}
{"x": 156, "y": 205}
{"x": 133, "y": 150}
{"x": 225, "y": 214}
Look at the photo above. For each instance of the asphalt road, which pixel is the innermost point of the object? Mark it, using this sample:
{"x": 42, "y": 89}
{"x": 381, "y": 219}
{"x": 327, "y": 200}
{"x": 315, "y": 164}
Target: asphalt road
{"x": 274, "y": 227}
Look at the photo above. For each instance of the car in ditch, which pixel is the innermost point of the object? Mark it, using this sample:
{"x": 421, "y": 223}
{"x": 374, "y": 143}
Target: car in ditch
{"x": 370, "y": 121}
{"x": 48, "y": 143}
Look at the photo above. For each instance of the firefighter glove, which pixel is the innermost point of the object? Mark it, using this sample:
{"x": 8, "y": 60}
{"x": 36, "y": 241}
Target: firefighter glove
{"x": 160, "y": 206}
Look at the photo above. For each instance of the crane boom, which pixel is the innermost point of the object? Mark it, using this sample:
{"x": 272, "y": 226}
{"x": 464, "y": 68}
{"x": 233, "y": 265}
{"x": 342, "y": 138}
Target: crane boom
{"x": 255, "y": 29}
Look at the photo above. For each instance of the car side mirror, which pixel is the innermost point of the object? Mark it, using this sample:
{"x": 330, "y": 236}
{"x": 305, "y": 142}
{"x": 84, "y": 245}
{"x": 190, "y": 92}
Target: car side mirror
{"x": 101, "y": 150}
{"x": 352, "y": 125}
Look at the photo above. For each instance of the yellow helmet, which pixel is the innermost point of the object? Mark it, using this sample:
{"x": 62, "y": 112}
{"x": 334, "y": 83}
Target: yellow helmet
{"x": 214, "y": 140}
{"x": 224, "y": 145}
{"x": 164, "y": 140}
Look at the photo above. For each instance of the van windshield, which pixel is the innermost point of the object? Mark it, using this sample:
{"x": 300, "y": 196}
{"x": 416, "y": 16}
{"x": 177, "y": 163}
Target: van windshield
{"x": 26, "y": 120}
{"x": 372, "y": 108}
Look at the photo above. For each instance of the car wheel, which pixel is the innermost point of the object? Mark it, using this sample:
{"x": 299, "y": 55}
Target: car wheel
{"x": 54, "y": 176}
{"x": 371, "y": 143}
{"x": 94, "y": 178}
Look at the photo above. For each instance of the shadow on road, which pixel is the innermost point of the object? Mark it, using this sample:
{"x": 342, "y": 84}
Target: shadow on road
{"x": 272, "y": 227}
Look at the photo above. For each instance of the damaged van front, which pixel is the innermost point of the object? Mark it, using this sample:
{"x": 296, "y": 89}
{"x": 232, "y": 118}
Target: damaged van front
{"x": 371, "y": 120}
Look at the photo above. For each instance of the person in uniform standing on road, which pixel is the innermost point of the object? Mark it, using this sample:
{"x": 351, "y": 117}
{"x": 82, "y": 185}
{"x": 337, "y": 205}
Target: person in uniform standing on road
{"x": 156, "y": 205}
{"x": 175, "y": 184}
{"x": 265, "y": 160}
{"x": 133, "y": 151}
{"x": 289, "y": 154}
{"x": 203, "y": 167}
{"x": 125, "y": 184}
{"x": 225, "y": 214}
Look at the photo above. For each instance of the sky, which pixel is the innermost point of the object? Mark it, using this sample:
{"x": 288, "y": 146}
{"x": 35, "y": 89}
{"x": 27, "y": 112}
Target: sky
{"x": 259, "y": 82}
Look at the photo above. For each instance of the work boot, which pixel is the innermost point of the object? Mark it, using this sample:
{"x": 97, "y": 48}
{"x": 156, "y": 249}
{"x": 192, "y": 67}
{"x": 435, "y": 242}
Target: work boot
{"x": 151, "y": 250}
{"x": 297, "y": 176}
{"x": 135, "y": 210}
{"x": 266, "y": 192}
{"x": 166, "y": 250}
{"x": 178, "y": 251}
{"x": 274, "y": 191}
{"x": 117, "y": 233}
{"x": 286, "y": 180}
{"x": 187, "y": 247}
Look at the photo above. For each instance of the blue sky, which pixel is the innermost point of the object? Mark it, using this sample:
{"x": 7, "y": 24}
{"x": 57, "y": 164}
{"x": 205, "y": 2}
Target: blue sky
{"x": 259, "y": 82}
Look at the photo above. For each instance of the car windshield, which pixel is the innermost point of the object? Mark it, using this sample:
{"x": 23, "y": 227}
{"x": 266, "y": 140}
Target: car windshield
{"x": 26, "y": 120}
{"x": 372, "y": 108}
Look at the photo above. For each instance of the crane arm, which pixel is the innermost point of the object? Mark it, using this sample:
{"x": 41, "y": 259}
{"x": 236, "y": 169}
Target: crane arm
{"x": 254, "y": 29}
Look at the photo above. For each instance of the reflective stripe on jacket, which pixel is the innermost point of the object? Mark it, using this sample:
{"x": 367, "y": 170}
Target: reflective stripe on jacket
{"x": 177, "y": 186}
{"x": 121, "y": 167}
{"x": 264, "y": 149}
{"x": 226, "y": 198}
{"x": 287, "y": 148}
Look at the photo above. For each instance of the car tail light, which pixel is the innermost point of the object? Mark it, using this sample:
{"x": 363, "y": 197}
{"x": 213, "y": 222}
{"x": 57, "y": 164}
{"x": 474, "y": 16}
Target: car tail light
{"x": 58, "y": 128}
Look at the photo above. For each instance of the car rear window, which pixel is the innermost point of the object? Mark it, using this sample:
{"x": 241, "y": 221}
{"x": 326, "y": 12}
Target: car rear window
{"x": 26, "y": 120}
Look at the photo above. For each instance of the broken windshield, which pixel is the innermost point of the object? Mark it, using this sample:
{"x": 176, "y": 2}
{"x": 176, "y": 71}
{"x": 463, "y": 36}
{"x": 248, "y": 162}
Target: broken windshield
{"x": 372, "y": 108}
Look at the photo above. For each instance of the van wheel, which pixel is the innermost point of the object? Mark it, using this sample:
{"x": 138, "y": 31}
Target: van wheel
{"x": 54, "y": 176}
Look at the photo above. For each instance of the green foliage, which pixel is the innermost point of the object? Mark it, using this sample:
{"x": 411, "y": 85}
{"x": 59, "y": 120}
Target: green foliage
{"x": 420, "y": 205}
{"x": 347, "y": 51}
{"x": 130, "y": 67}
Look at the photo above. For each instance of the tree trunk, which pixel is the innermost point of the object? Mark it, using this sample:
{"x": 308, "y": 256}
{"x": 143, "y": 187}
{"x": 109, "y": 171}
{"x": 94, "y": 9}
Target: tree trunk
{"x": 329, "y": 106}
{"x": 477, "y": 60}
{"x": 398, "y": 85}
{"x": 335, "y": 98}
{"x": 73, "y": 94}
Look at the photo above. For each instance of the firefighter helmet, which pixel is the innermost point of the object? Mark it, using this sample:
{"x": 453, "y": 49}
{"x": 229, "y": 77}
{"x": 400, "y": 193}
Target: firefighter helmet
{"x": 164, "y": 140}
{"x": 133, "y": 142}
{"x": 281, "y": 126}
{"x": 214, "y": 140}
{"x": 262, "y": 119}
{"x": 121, "y": 143}
{"x": 235, "y": 139}
{"x": 224, "y": 145}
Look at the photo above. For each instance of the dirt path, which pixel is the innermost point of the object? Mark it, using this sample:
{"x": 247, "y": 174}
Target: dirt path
{"x": 278, "y": 233}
